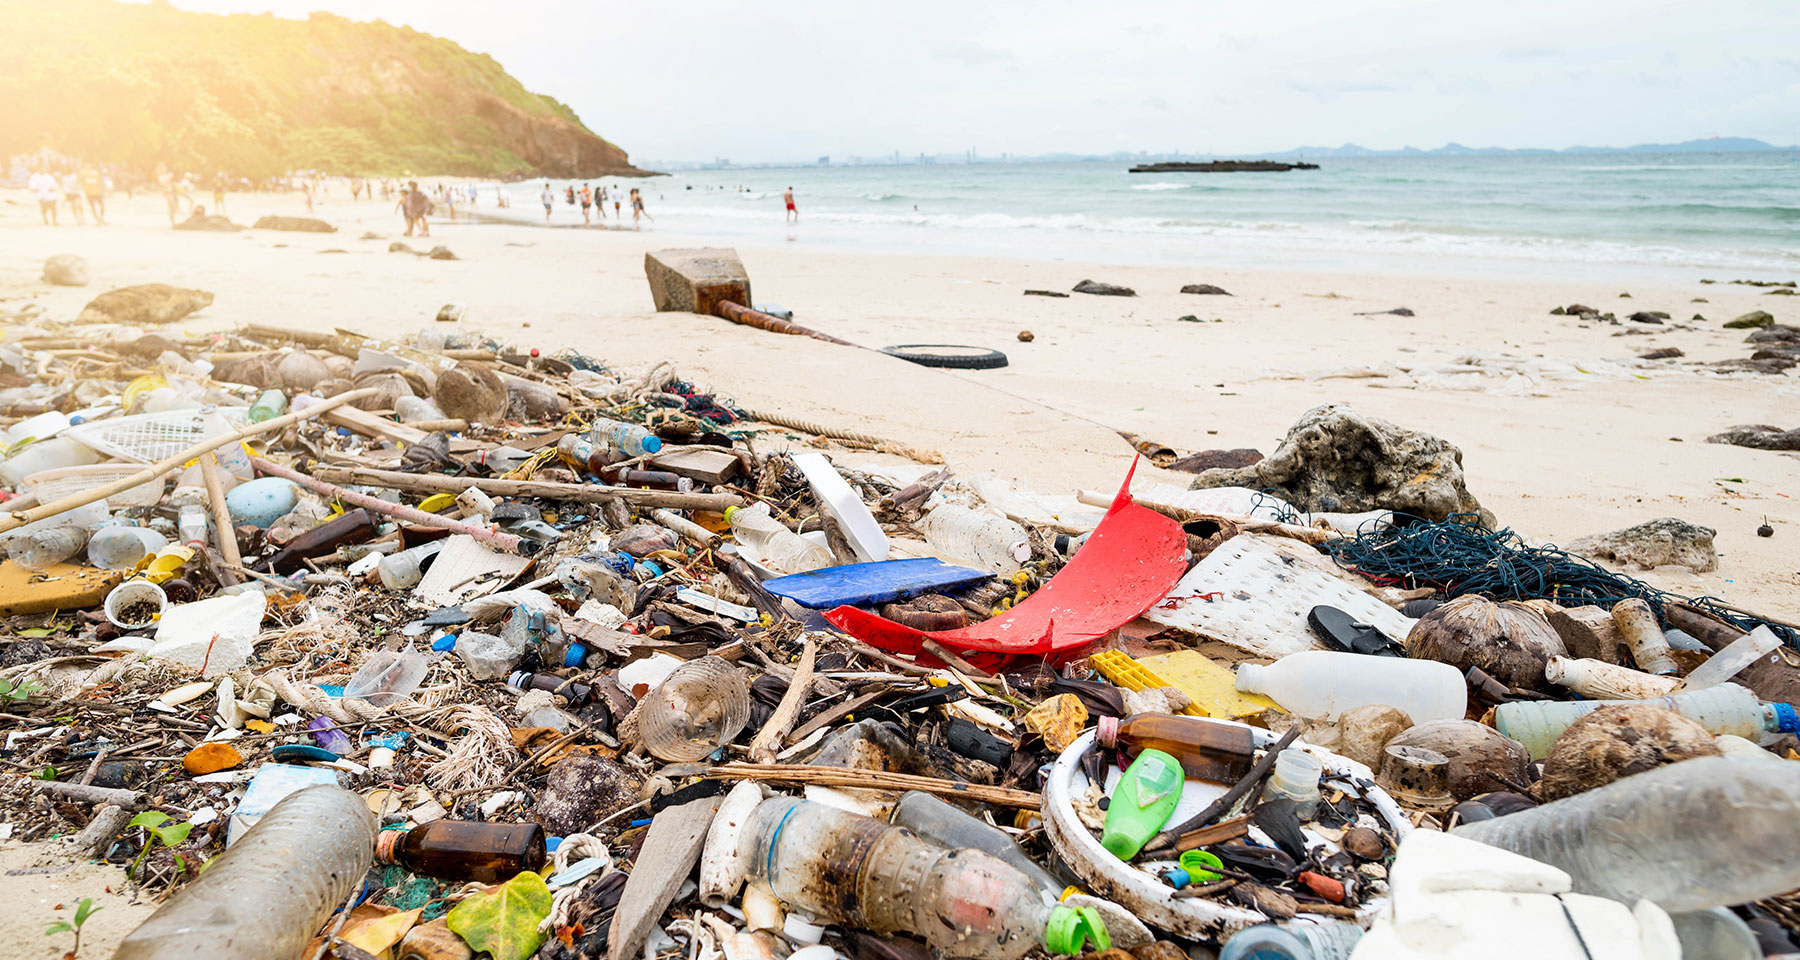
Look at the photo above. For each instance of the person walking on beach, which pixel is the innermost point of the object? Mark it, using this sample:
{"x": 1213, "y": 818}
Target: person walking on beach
{"x": 43, "y": 184}
{"x": 792, "y": 211}
{"x": 218, "y": 191}
{"x": 93, "y": 189}
{"x": 549, "y": 198}
{"x": 637, "y": 209}
{"x": 71, "y": 191}
{"x": 600, "y": 201}
{"x": 587, "y": 202}
{"x": 414, "y": 205}
{"x": 165, "y": 181}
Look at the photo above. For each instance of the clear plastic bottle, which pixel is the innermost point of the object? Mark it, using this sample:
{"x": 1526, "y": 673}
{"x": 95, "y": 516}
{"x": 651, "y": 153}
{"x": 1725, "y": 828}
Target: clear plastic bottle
{"x": 272, "y": 404}
{"x": 846, "y": 868}
{"x": 230, "y": 456}
{"x": 404, "y": 570}
{"x": 42, "y": 549}
{"x": 1311, "y": 941}
{"x": 276, "y": 886}
{"x": 412, "y": 409}
{"x": 192, "y": 523}
{"x": 1702, "y": 833}
{"x": 388, "y": 676}
{"x": 626, "y": 439}
{"x": 1726, "y": 708}
{"x": 974, "y": 536}
{"x": 780, "y": 548}
{"x": 1296, "y": 777}
{"x": 123, "y": 547}
{"x": 1322, "y": 684}
{"x": 1208, "y": 749}
{"x": 947, "y": 826}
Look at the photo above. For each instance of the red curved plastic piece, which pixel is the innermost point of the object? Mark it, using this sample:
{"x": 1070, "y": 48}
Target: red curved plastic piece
{"x": 1131, "y": 560}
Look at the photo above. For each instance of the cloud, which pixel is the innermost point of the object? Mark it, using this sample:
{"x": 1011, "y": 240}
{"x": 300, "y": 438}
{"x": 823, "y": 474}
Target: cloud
{"x": 971, "y": 54}
{"x": 1157, "y": 103}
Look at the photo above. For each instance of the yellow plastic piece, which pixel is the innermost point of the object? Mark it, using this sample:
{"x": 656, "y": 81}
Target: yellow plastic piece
{"x": 167, "y": 562}
{"x": 1125, "y": 672}
{"x": 1210, "y": 684}
{"x": 141, "y": 386}
{"x": 438, "y": 502}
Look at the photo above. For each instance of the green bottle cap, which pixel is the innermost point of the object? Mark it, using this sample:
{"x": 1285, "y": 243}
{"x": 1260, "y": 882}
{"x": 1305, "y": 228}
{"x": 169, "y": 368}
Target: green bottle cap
{"x": 1070, "y": 927}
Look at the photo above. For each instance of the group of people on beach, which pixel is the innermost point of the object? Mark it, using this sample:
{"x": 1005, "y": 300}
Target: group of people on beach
{"x": 84, "y": 192}
{"x": 590, "y": 198}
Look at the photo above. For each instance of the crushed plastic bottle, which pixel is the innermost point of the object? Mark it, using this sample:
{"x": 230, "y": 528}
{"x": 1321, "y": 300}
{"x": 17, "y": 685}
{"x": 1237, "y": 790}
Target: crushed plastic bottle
{"x": 1322, "y": 684}
{"x": 404, "y": 570}
{"x": 778, "y": 547}
{"x": 1642, "y": 837}
{"x": 388, "y": 676}
{"x": 989, "y": 542}
{"x": 1309, "y": 941}
{"x": 947, "y": 826}
{"x": 275, "y": 887}
{"x": 42, "y": 549}
{"x": 850, "y": 869}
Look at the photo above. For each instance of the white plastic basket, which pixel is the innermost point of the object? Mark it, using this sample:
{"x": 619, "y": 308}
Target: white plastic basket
{"x": 52, "y": 485}
{"x": 149, "y": 437}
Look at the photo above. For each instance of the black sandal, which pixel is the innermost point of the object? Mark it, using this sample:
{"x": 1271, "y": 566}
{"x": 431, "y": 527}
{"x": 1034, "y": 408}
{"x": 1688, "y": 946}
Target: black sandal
{"x": 1341, "y": 631}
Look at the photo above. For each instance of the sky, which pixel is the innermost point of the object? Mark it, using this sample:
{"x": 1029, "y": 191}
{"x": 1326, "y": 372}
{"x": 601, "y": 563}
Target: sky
{"x": 778, "y": 80}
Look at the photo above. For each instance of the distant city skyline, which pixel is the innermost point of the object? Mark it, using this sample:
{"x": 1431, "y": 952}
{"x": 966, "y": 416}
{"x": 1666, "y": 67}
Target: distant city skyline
{"x": 783, "y": 82}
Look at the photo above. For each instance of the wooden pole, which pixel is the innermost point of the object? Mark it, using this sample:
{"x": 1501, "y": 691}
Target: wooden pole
{"x": 494, "y": 486}
{"x": 493, "y": 538}
{"x": 13, "y": 521}
{"x": 215, "y": 497}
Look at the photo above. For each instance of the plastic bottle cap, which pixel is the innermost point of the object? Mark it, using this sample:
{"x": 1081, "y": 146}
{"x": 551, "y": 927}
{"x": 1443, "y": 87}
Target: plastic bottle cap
{"x": 729, "y": 511}
{"x": 1107, "y": 733}
{"x": 1177, "y": 878}
{"x": 444, "y": 643}
{"x": 652, "y": 444}
{"x": 1787, "y": 720}
{"x": 1201, "y": 866}
{"x": 1070, "y": 927}
{"x": 574, "y": 654}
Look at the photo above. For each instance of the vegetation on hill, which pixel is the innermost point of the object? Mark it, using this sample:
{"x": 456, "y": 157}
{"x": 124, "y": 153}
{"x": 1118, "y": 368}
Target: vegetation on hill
{"x": 256, "y": 95}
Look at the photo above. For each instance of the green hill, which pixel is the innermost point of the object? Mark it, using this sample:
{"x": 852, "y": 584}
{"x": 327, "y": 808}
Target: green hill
{"x": 256, "y": 95}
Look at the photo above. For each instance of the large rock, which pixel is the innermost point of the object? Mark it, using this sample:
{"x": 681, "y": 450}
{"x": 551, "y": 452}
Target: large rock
{"x": 1755, "y": 318}
{"x": 693, "y": 280}
{"x": 295, "y": 224}
{"x": 1653, "y": 544}
{"x": 1335, "y": 459}
{"x": 1205, "y": 289}
{"x": 66, "y": 270}
{"x": 1099, "y": 289}
{"x": 201, "y": 221}
{"x": 581, "y": 791}
{"x": 146, "y": 303}
{"x": 1759, "y": 436}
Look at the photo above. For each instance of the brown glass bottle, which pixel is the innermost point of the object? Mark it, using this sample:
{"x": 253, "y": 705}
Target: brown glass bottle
{"x": 1208, "y": 750}
{"x": 463, "y": 850}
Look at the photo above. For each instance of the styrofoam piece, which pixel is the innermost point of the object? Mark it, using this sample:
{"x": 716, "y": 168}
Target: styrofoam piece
{"x": 1263, "y": 588}
{"x": 217, "y": 633}
{"x": 149, "y": 437}
{"x": 1144, "y": 893}
{"x": 837, "y": 499}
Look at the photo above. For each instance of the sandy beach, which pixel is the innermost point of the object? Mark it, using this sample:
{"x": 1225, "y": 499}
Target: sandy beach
{"x": 1564, "y": 435}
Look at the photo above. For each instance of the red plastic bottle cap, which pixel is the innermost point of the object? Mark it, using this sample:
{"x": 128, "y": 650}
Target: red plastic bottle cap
{"x": 534, "y": 351}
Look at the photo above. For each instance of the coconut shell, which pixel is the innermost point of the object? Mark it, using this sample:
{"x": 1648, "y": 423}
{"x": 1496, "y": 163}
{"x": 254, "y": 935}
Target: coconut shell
{"x": 300, "y": 371}
{"x": 471, "y": 392}
{"x": 1613, "y": 743}
{"x": 1364, "y": 732}
{"x": 389, "y": 387}
{"x": 1509, "y": 641}
{"x": 1482, "y": 759}
{"x": 258, "y": 372}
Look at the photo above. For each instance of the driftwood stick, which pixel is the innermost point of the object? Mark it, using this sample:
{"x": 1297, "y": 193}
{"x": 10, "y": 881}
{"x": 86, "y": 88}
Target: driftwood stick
{"x": 579, "y": 492}
{"x": 215, "y": 499}
{"x": 768, "y": 739}
{"x": 876, "y": 780}
{"x": 493, "y": 538}
{"x": 129, "y": 799}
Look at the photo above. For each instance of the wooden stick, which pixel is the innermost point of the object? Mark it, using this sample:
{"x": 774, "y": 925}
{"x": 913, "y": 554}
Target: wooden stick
{"x": 494, "y": 486}
{"x": 129, "y": 799}
{"x": 493, "y": 538}
{"x": 876, "y": 780}
{"x": 440, "y": 426}
{"x": 837, "y": 713}
{"x": 215, "y": 497}
{"x": 768, "y": 739}
{"x": 1258, "y": 771}
{"x": 949, "y": 656}
{"x": 13, "y": 521}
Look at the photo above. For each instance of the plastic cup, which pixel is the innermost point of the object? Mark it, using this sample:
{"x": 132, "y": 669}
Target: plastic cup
{"x": 135, "y": 604}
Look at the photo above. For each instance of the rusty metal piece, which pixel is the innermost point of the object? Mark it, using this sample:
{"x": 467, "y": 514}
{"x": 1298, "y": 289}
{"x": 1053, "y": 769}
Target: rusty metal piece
{"x": 738, "y": 313}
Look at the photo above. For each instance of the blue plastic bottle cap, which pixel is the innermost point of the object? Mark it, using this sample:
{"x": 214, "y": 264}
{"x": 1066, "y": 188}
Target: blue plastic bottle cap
{"x": 1177, "y": 878}
{"x": 551, "y": 843}
{"x": 1787, "y": 720}
{"x": 652, "y": 444}
{"x": 574, "y": 654}
{"x": 444, "y": 643}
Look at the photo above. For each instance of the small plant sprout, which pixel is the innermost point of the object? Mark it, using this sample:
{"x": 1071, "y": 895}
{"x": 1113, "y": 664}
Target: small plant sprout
{"x": 83, "y": 911}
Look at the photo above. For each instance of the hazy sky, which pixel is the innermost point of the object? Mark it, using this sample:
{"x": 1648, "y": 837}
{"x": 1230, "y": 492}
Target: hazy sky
{"x": 777, "y": 80}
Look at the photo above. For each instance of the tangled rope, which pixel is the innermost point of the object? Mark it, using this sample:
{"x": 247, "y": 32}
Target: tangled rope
{"x": 1461, "y": 556}
{"x": 317, "y": 702}
{"x": 847, "y": 437}
{"x": 481, "y": 757}
{"x": 574, "y": 848}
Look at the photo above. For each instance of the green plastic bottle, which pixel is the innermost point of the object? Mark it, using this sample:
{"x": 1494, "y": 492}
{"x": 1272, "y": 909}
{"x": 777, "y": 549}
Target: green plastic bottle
{"x": 1142, "y": 802}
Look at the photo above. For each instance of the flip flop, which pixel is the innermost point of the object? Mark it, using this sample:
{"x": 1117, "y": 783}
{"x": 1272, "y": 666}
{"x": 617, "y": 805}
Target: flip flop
{"x": 1343, "y": 632}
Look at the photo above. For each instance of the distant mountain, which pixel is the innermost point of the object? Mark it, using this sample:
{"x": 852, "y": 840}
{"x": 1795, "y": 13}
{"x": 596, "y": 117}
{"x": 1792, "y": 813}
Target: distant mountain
{"x": 1714, "y": 145}
{"x": 255, "y": 95}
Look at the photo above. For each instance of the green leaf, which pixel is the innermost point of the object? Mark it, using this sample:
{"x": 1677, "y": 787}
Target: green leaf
{"x": 504, "y": 921}
{"x": 171, "y": 836}
{"x": 149, "y": 818}
{"x": 85, "y": 910}
{"x": 60, "y": 926}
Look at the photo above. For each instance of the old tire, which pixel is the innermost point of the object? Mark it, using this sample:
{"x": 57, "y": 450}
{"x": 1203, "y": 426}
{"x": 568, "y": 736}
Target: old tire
{"x": 948, "y": 355}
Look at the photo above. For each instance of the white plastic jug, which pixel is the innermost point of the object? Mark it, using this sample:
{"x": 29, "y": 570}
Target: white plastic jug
{"x": 1322, "y": 684}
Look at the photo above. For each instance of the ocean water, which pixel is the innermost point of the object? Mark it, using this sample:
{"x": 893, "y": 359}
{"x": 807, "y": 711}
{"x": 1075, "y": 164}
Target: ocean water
{"x": 1673, "y": 213}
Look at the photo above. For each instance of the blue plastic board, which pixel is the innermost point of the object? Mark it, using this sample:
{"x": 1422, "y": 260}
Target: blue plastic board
{"x": 860, "y": 584}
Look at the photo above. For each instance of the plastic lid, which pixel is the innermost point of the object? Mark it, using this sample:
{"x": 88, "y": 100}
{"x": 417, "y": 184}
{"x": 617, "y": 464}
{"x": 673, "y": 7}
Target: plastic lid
{"x": 1201, "y": 866}
{"x": 1107, "y": 732}
{"x": 1070, "y": 927}
{"x": 729, "y": 511}
{"x": 1787, "y": 720}
{"x": 651, "y": 444}
{"x": 574, "y": 654}
{"x": 444, "y": 643}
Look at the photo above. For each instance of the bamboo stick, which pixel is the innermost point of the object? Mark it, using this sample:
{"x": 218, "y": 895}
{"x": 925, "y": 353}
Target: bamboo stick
{"x": 493, "y": 538}
{"x": 215, "y": 497}
{"x": 13, "y": 521}
{"x": 876, "y": 780}
{"x": 495, "y": 486}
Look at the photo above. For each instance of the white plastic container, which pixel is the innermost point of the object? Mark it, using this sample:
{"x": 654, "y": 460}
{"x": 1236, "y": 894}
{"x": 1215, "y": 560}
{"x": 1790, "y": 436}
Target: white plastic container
{"x": 845, "y": 506}
{"x": 53, "y": 485}
{"x": 45, "y": 455}
{"x": 1322, "y": 684}
{"x": 775, "y": 545}
{"x": 982, "y": 539}
{"x": 41, "y": 427}
{"x": 125, "y": 604}
{"x": 123, "y": 547}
